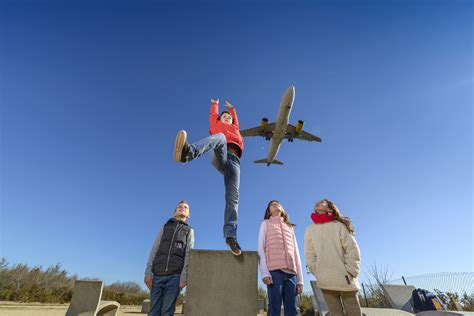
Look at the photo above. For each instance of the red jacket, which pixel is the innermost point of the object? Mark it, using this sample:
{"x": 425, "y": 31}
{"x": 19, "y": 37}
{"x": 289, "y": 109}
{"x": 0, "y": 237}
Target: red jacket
{"x": 231, "y": 131}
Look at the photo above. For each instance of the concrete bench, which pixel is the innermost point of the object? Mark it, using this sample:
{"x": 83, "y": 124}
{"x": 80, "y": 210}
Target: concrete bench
{"x": 399, "y": 296}
{"x": 86, "y": 300}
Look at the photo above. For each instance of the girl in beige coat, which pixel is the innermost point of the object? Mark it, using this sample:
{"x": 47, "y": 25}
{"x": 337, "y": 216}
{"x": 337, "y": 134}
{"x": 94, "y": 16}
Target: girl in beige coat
{"x": 333, "y": 256}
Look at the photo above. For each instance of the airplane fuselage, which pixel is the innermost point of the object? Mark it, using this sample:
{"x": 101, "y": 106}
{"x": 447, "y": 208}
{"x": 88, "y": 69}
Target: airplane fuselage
{"x": 281, "y": 123}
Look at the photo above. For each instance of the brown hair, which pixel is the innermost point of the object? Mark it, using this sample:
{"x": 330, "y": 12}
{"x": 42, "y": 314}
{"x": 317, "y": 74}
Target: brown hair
{"x": 345, "y": 220}
{"x": 284, "y": 214}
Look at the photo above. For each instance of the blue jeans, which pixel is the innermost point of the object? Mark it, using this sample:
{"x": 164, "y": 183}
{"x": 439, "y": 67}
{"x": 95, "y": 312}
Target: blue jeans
{"x": 282, "y": 289}
{"x": 163, "y": 295}
{"x": 228, "y": 165}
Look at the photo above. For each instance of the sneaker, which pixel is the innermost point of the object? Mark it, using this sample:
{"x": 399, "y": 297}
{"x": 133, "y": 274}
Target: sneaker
{"x": 234, "y": 246}
{"x": 181, "y": 147}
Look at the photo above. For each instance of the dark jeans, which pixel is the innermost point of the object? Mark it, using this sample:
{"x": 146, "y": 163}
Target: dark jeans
{"x": 283, "y": 290}
{"x": 163, "y": 295}
{"x": 228, "y": 165}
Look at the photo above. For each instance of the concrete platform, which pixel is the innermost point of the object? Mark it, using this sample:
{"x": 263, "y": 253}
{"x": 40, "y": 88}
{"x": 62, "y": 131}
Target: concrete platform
{"x": 384, "y": 312}
{"x": 440, "y": 313}
{"x": 395, "y": 312}
{"x": 221, "y": 284}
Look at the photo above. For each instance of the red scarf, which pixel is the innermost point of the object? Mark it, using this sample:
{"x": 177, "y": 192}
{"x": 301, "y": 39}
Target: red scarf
{"x": 322, "y": 218}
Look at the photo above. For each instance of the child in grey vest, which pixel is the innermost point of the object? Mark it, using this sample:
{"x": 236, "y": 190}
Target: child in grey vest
{"x": 167, "y": 266}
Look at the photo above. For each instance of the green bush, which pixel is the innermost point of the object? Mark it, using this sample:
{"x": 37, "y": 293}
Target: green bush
{"x": 306, "y": 305}
{"x": 20, "y": 283}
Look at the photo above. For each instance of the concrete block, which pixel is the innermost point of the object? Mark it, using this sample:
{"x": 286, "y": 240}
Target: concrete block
{"x": 399, "y": 296}
{"x": 221, "y": 284}
{"x": 146, "y": 305}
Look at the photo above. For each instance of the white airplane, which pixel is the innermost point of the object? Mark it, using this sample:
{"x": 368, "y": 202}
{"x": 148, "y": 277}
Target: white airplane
{"x": 280, "y": 130}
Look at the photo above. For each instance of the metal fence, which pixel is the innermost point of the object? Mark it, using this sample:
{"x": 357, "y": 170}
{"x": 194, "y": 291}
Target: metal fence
{"x": 454, "y": 282}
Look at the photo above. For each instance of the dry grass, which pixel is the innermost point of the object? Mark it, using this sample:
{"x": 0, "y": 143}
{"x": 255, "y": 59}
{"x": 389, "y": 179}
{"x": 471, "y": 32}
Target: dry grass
{"x": 40, "y": 309}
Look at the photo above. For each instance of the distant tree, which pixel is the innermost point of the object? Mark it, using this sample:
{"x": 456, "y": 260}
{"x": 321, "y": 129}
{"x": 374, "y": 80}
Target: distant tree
{"x": 467, "y": 302}
{"x": 375, "y": 277}
{"x": 127, "y": 293}
{"x": 19, "y": 274}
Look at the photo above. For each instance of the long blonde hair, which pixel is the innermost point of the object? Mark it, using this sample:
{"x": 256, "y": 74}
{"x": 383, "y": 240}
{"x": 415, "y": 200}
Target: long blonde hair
{"x": 284, "y": 214}
{"x": 339, "y": 217}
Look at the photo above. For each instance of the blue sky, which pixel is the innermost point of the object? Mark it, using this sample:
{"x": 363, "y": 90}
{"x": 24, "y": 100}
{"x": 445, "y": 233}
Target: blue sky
{"x": 93, "y": 93}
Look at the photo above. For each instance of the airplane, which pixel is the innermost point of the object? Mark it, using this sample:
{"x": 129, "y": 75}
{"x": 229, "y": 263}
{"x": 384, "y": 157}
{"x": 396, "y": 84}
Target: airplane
{"x": 280, "y": 130}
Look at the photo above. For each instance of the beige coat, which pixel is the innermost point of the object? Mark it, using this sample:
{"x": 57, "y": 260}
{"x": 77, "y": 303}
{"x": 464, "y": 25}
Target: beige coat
{"x": 333, "y": 256}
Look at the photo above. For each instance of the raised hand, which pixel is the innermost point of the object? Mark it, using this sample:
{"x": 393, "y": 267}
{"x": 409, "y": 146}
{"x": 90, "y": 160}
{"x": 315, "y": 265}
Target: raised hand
{"x": 228, "y": 105}
{"x": 215, "y": 101}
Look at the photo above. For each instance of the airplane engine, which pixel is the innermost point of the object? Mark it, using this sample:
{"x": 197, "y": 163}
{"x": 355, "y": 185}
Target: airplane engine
{"x": 264, "y": 123}
{"x": 299, "y": 126}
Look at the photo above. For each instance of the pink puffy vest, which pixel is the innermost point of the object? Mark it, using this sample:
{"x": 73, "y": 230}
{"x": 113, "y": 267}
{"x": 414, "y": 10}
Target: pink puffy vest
{"x": 280, "y": 245}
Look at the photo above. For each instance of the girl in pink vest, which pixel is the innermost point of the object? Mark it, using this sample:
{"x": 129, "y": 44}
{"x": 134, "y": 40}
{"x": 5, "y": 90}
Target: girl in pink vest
{"x": 280, "y": 263}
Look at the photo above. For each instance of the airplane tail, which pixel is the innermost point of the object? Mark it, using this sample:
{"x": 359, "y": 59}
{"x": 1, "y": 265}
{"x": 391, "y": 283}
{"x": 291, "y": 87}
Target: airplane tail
{"x": 275, "y": 162}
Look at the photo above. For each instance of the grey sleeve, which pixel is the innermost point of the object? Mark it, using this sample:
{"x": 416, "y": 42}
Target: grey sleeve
{"x": 153, "y": 251}
{"x": 189, "y": 246}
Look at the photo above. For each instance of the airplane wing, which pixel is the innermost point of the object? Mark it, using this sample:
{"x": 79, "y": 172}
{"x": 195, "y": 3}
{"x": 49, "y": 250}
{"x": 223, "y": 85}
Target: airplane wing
{"x": 259, "y": 131}
{"x": 291, "y": 133}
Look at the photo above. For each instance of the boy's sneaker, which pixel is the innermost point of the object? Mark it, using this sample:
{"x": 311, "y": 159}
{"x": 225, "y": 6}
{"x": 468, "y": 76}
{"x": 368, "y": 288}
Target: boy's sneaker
{"x": 234, "y": 246}
{"x": 181, "y": 147}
